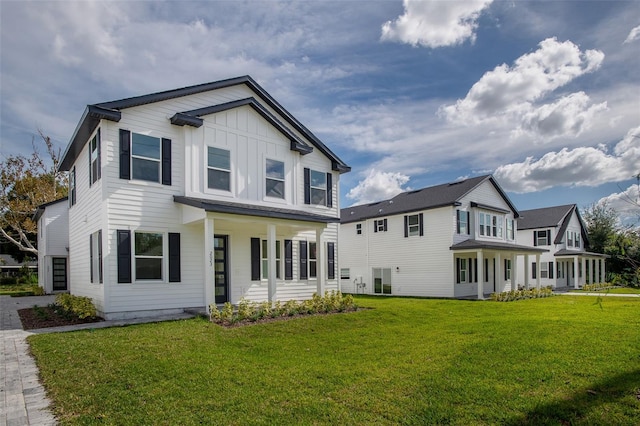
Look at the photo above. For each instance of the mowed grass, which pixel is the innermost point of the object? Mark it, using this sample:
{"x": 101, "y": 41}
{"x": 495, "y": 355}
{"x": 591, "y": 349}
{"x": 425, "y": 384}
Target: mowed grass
{"x": 619, "y": 290}
{"x": 560, "y": 360}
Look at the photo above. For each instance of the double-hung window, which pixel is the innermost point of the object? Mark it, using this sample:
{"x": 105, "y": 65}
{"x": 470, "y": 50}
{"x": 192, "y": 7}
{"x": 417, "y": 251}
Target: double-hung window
{"x": 569, "y": 238}
{"x": 148, "y": 256}
{"x": 95, "y": 257}
{"x": 413, "y": 225}
{"x": 544, "y": 270}
{"x": 462, "y": 222}
{"x": 462, "y": 270}
{"x": 358, "y": 229}
{"x": 577, "y": 239}
{"x": 542, "y": 238}
{"x": 498, "y": 225}
{"x": 510, "y": 229}
{"x": 489, "y": 225}
{"x": 218, "y": 168}
{"x": 72, "y": 186}
{"x": 274, "y": 178}
{"x": 94, "y": 158}
{"x": 318, "y": 188}
{"x": 380, "y": 225}
{"x": 265, "y": 259}
{"x": 145, "y": 157}
{"x": 507, "y": 269}
{"x": 313, "y": 260}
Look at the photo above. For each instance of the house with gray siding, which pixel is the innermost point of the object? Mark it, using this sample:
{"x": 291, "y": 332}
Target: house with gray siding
{"x": 458, "y": 239}
{"x": 203, "y": 194}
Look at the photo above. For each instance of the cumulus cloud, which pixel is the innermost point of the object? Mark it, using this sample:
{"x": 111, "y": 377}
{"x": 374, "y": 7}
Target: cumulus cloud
{"x": 378, "y": 186}
{"x": 626, "y": 203}
{"x": 435, "y": 23}
{"x": 584, "y": 166}
{"x": 510, "y": 93}
{"x": 634, "y": 34}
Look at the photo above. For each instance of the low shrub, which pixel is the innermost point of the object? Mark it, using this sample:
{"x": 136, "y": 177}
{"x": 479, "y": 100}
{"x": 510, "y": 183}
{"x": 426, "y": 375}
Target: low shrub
{"x": 599, "y": 286}
{"x": 79, "y": 306}
{"x": 254, "y": 311}
{"x": 532, "y": 293}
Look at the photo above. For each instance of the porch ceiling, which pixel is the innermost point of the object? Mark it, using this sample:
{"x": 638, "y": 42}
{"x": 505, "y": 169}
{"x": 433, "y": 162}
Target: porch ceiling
{"x": 572, "y": 253}
{"x": 494, "y": 245}
{"x": 253, "y": 210}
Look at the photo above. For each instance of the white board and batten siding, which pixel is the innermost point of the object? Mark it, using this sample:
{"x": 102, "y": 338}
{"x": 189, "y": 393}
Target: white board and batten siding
{"x": 53, "y": 241}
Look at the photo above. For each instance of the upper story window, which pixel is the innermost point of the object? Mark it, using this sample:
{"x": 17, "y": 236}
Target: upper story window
{"x": 144, "y": 157}
{"x": 569, "y": 238}
{"x": 413, "y": 225}
{"x": 72, "y": 186}
{"x": 490, "y": 225}
{"x": 510, "y": 229}
{"x": 542, "y": 237}
{"x": 218, "y": 168}
{"x": 358, "y": 228}
{"x": 274, "y": 178}
{"x": 380, "y": 225}
{"x": 462, "y": 222}
{"x": 318, "y": 188}
{"x": 576, "y": 239}
{"x": 94, "y": 159}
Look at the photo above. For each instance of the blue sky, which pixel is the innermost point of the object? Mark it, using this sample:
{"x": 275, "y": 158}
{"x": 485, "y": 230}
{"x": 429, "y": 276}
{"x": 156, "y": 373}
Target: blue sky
{"x": 545, "y": 95}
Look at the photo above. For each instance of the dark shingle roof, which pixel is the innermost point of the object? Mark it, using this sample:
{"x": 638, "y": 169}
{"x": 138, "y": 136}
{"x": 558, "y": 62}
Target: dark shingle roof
{"x": 544, "y": 217}
{"x": 495, "y": 245}
{"x": 431, "y": 197}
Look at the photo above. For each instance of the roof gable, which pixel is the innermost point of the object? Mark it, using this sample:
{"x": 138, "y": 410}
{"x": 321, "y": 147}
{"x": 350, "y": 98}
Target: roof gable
{"x": 111, "y": 111}
{"x": 545, "y": 217}
{"x": 447, "y": 194}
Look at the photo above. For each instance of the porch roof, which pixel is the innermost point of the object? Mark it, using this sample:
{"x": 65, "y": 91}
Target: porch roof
{"x": 253, "y": 210}
{"x": 571, "y": 253}
{"x": 494, "y": 245}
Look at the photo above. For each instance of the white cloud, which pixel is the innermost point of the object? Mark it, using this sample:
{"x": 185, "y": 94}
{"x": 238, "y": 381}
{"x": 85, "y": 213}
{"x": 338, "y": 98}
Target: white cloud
{"x": 634, "y": 34}
{"x": 584, "y": 166}
{"x": 378, "y": 186}
{"x": 435, "y": 23}
{"x": 508, "y": 94}
{"x": 626, "y": 203}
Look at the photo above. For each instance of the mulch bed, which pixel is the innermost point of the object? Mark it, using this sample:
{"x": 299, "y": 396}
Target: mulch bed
{"x": 45, "y": 316}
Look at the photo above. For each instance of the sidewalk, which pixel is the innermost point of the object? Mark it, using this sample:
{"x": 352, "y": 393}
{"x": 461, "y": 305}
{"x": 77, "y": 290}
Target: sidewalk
{"x": 23, "y": 400}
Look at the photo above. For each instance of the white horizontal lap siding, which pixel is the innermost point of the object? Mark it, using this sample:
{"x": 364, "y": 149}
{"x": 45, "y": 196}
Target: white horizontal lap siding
{"x": 85, "y": 218}
{"x": 318, "y": 162}
{"x": 56, "y": 229}
{"x": 354, "y": 254}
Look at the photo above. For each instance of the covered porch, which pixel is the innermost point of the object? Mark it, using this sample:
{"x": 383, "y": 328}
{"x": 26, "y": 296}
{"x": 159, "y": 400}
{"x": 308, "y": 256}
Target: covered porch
{"x": 485, "y": 267}
{"x": 262, "y": 253}
{"x": 577, "y": 268}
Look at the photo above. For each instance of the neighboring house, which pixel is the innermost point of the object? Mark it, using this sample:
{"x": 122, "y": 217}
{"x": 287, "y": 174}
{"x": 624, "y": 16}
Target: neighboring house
{"x": 52, "y": 220}
{"x": 458, "y": 239}
{"x": 209, "y": 193}
{"x": 568, "y": 263}
{"x": 9, "y": 267}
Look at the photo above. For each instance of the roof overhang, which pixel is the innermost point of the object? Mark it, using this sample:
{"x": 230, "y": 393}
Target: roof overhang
{"x": 495, "y": 245}
{"x": 579, "y": 253}
{"x": 488, "y": 207}
{"x": 253, "y": 210}
{"x": 41, "y": 208}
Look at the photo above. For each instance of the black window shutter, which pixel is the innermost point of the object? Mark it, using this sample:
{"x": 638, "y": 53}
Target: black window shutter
{"x": 505, "y": 268}
{"x": 475, "y": 268}
{"x": 174, "y": 257}
{"x": 406, "y": 226}
{"x": 98, "y": 141}
{"x": 91, "y": 257}
{"x": 535, "y": 238}
{"x": 470, "y": 269}
{"x": 486, "y": 270}
{"x": 457, "y": 221}
{"x": 307, "y": 186}
{"x": 166, "y": 161}
{"x": 303, "y": 260}
{"x": 468, "y": 223}
{"x": 100, "y": 255}
{"x": 375, "y": 225}
{"x": 550, "y": 269}
{"x": 125, "y": 154}
{"x": 329, "y": 190}
{"x": 385, "y": 225}
{"x": 331, "y": 262}
{"x": 534, "y": 271}
{"x": 255, "y": 259}
{"x": 457, "y": 270}
{"x": 421, "y": 223}
{"x": 124, "y": 256}
{"x": 288, "y": 259}
{"x": 548, "y": 237}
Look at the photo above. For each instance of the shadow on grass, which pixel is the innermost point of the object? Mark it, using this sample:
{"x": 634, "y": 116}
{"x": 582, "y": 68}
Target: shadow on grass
{"x": 622, "y": 390}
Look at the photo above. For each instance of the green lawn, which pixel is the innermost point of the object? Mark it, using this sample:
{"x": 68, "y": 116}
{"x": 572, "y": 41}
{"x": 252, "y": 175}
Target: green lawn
{"x": 19, "y": 290}
{"x": 560, "y": 360}
{"x": 619, "y": 290}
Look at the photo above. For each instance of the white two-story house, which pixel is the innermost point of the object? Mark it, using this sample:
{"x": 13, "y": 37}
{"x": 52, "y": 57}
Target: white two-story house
{"x": 567, "y": 263}
{"x": 199, "y": 195}
{"x": 52, "y": 220}
{"x": 458, "y": 239}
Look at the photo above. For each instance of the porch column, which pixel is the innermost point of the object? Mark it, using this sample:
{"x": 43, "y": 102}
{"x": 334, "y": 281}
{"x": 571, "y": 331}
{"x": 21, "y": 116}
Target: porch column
{"x": 209, "y": 277}
{"x": 526, "y": 271}
{"x": 538, "y": 271}
{"x": 480, "y": 277}
{"x": 514, "y": 272}
{"x": 597, "y": 270}
{"x": 602, "y": 269}
{"x": 575, "y": 272}
{"x": 320, "y": 261}
{"x": 271, "y": 253}
{"x": 499, "y": 278}
{"x": 583, "y": 280}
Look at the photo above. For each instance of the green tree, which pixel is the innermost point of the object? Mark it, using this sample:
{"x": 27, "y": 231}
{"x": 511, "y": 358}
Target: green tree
{"x": 602, "y": 225}
{"x": 25, "y": 183}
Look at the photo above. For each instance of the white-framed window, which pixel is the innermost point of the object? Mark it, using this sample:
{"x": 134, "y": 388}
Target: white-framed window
{"x": 274, "y": 184}
{"x": 542, "y": 237}
{"x": 463, "y": 222}
{"x": 72, "y": 186}
{"x": 318, "y": 188}
{"x": 499, "y": 225}
{"x": 510, "y": 229}
{"x": 463, "y": 270}
{"x": 544, "y": 270}
{"x": 507, "y": 269}
{"x": 95, "y": 257}
{"x": 489, "y": 225}
{"x": 265, "y": 259}
{"x": 94, "y": 158}
{"x": 148, "y": 256}
{"x": 413, "y": 225}
{"x": 358, "y": 229}
{"x": 313, "y": 260}
{"x": 569, "y": 238}
{"x": 218, "y": 168}
{"x": 145, "y": 157}
{"x": 382, "y": 280}
{"x": 345, "y": 274}
{"x": 577, "y": 239}
{"x": 380, "y": 225}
